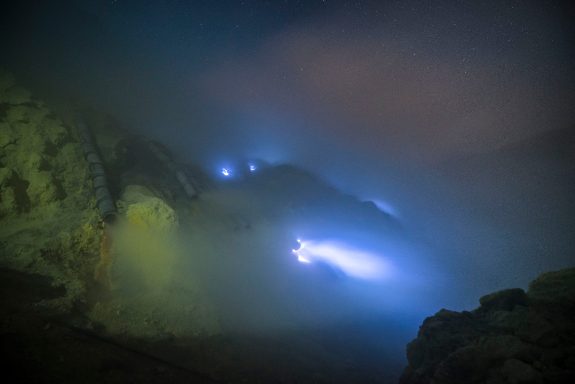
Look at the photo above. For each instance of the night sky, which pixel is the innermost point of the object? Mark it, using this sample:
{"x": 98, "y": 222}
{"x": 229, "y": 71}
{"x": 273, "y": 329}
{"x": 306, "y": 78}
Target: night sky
{"x": 455, "y": 113}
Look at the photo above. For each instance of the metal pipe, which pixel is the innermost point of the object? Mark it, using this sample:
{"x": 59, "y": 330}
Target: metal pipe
{"x": 104, "y": 200}
{"x": 183, "y": 180}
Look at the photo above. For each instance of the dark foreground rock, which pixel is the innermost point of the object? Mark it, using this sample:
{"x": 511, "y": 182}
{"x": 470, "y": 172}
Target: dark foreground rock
{"x": 513, "y": 337}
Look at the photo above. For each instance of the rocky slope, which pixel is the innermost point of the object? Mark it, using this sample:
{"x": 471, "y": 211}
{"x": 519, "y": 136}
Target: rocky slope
{"x": 150, "y": 297}
{"x": 49, "y": 224}
{"x": 48, "y": 221}
{"x": 513, "y": 337}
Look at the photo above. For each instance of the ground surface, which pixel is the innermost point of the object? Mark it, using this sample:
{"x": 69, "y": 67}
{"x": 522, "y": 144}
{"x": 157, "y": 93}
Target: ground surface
{"x": 39, "y": 346}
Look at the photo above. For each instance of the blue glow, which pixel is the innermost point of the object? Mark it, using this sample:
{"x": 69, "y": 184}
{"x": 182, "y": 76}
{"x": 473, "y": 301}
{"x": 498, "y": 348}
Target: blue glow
{"x": 351, "y": 261}
{"x": 300, "y": 258}
{"x": 384, "y": 206}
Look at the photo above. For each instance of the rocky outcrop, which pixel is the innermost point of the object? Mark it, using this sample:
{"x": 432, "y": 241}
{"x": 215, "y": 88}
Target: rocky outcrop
{"x": 147, "y": 211}
{"x": 47, "y": 223}
{"x": 118, "y": 279}
{"x": 513, "y": 337}
{"x": 40, "y": 162}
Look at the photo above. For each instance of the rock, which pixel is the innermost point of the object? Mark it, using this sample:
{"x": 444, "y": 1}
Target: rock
{"x": 8, "y": 202}
{"x": 503, "y": 300}
{"x": 50, "y": 226}
{"x": 517, "y": 372}
{"x": 5, "y": 175}
{"x": 26, "y": 113}
{"x": 15, "y": 95}
{"x": 153, "y": 213}
{"x": 43, "y": 188}
{"x": 13, "y": 193}
{"x": 55, "y": 132}
{"x": 553, "y": 288}
{"x": 513, "y": 337}
{"x": 499, "y": 347}
{"x": 136, "y": 194}
{"x": 147, "y": 211}
{"x": 37, "y": 162}
{"x": 522, "y": 321}
{"x": 7, "y": 137}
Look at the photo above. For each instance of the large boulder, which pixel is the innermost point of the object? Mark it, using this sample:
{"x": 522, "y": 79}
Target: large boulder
{"x": 45, "y": 192}
{"x": 147, "y": 211}
{"x": 513, "y": 337}
{"x": 41, "y": 161}
{"x": 503, "y": 300}
{"x": 553, "y": 289}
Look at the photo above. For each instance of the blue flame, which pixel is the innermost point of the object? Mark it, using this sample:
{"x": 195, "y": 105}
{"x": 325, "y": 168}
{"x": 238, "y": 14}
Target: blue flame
{"x": 352, "y": 262}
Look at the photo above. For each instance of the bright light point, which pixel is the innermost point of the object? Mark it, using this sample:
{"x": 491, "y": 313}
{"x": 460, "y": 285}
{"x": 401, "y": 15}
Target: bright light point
{"x": 225, "y": 172}
{"x": 353, "y": 262}
{"x": 252, "y": 168}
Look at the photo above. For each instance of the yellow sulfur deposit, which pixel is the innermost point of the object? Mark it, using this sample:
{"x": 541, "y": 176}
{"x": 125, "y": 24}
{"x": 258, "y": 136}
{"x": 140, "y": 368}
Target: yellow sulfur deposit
{"x": 152, "y": 214}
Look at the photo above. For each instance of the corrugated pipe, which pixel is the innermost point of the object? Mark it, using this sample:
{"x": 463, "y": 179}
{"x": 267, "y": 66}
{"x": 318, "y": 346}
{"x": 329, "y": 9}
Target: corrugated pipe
{"x": 104, "y": 200}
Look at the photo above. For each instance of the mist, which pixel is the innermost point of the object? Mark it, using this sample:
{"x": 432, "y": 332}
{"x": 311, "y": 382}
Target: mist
{"x": 455, "y": 121}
